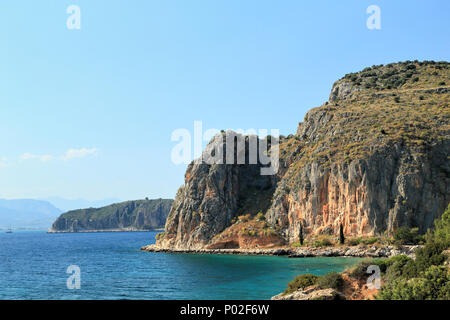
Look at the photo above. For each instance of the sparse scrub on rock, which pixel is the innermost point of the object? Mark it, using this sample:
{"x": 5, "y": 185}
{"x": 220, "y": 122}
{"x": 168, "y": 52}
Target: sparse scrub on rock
{"x": 331, "y": 280}
{"x": 301, "y": 282}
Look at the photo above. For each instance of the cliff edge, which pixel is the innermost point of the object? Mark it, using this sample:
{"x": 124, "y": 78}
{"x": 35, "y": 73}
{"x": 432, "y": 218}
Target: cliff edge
{"x": 372, "y": 158}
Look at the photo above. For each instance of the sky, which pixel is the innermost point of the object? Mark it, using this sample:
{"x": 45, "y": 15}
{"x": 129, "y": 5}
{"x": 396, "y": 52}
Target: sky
{"x": 89, "y": 113}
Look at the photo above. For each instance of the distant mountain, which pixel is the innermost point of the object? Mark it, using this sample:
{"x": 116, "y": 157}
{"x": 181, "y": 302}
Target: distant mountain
{"x": 125, "y": 216}
{"x": 74, "y": 204}
{"x": 27, "y": 214}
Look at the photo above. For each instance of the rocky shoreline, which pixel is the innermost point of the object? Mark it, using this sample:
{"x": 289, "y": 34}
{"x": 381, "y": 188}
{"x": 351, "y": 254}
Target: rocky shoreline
{"x": 105, "y": 230}
{"x": 358, "y": 251}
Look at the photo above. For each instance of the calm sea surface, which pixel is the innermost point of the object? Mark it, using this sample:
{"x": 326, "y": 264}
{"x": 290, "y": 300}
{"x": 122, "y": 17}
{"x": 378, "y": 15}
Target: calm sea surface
{"x": 33, "y": 265}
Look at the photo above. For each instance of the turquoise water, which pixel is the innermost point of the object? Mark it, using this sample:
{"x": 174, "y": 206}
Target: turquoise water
{"x": 33, "y": 266}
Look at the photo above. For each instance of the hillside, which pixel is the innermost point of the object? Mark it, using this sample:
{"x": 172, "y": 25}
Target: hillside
{"x": 125, "y": 216}
{"x": 372, "y": 158}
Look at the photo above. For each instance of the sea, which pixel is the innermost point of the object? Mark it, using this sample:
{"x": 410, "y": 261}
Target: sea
{"x": 110, "y": 265}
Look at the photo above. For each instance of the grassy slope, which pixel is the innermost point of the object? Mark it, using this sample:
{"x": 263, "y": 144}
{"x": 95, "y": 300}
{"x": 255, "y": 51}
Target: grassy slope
{"x": 396, "y": 104}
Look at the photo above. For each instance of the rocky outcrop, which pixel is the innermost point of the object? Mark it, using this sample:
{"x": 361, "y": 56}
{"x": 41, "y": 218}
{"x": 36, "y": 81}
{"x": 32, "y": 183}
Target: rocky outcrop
{"x": 371, "y": 159}
{"x": 352, "y": 288}
{"x": 215, "y": 193}
{"x": 135, "y": 215}
{"x": 311, "y": 294}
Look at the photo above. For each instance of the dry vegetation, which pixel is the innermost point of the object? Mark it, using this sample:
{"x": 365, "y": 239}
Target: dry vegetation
{"x": 405, "y": 103}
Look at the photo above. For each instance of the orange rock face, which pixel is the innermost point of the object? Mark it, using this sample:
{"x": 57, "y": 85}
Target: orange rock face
{"x": 247, "y": 235}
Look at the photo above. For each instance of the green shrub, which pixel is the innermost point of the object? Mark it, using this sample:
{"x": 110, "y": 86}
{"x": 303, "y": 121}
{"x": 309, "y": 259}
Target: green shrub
{"x": 360, "y": 270}
{"x": 357, "y": 241}
{"x": 405, "y": 235}
{"x": 425, "y": 277}
{"x": 394, "y": 267}
{"x": 381, "y": 263}
{"x": 323, "y": 243}
{"x": 331, "y": 280}
{"x": 404, "y": 267}
{"x": 296, "y": 244}
{"x": 301, "y": 282}
{"x": 354, "y": 241}
{"x": 442, "y": 229}
{"x": 429, "y": 255}
{"x": 372, "y": 240}
{"x": 397, "y": 259}
{"x": 432, "y": 284}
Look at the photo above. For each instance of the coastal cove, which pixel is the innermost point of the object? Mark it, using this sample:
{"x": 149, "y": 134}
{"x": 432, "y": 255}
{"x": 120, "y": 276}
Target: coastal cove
{"x": 112, "y": 266}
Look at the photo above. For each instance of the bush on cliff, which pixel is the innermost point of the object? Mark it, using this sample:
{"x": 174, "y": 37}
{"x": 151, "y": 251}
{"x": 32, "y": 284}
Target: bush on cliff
{"x": 359, "y": 271}
{"x": 395, "y": 266}
{"x": 322, "y": 243}
{"x": 431, "y": 284}
{"x": 297, "y": 244}
{"x": 405, "y": 235}
{"x": 331, "y": 280}
{"x": 366, "y": 241}
{"x": 301, "y": 282}
{"x": 426, "y": 277}
{"x": 441, "y": 232}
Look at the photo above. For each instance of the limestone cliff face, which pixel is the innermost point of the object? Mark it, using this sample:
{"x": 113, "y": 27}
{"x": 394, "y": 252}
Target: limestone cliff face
{"x": 211, "y": 197}
{"x": 126, "y": 216}
{"x": 372, "y": 158}
{"x": 390, "y": 188}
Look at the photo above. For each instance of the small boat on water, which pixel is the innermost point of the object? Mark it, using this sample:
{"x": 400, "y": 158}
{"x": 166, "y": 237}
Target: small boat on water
{"x": 9, "y": 230}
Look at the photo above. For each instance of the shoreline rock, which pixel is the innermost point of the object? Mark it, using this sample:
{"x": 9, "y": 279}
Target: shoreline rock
{"x": 105, "y": 230}
{"x": 361, "y": 252}
{"x": 311, "y": 294}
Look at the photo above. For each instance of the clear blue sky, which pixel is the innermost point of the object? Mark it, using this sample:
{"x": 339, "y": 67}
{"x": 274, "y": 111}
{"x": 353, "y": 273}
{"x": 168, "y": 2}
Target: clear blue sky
{"x": 114, "y": 91}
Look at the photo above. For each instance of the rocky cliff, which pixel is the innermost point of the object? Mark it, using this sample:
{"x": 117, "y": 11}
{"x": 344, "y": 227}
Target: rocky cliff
{"x": 125, "y": 216}
{"x": 372, "y": 158}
